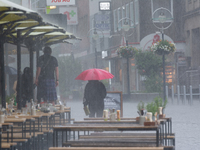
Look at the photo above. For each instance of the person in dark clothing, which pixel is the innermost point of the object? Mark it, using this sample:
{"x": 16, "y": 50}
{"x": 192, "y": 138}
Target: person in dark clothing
{"x": 46, "y": 67}
{"x": 25, "y": 86}
{"x": 94, "y": 95}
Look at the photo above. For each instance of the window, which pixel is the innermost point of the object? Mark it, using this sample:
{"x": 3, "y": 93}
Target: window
{"x": 119, "y": 25}
{"x": 131, "y": 13}
{"x": 127, "y": 12}
{"x": 136, "y": 12}
{"x": 123, "y": 12}
{"x": 115, "y": 20}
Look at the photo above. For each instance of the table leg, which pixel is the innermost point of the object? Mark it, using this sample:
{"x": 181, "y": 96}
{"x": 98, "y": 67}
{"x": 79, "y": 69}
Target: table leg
{"x": 7, "y": 134}
{"x": 22, "y": 130}
{"x": 157, "y": 137}
{"x": 54, "y": 138}
{"x": 57, "y": 139}
{"x": 30, "y": 126}
{"x": 165, "y": 133}
{"x": 11, "y": 133}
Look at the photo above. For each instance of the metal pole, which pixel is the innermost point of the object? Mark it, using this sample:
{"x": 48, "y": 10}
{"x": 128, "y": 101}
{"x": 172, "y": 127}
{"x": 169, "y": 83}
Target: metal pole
{"x": 95, "y": 56}
{"x": 128, "y": 80}
{"x": 163, "y": 59}
{"x": 31, "y": 69}
{"x": 18, "y": 69}
{"x": 178, "y": 93}
{"x": 191, "y": 100}
{"x": 184, "y": 93}
{"x": 3, "y": 92}
{"x": 167, "y": 92}
{"x": 172, "y": 94}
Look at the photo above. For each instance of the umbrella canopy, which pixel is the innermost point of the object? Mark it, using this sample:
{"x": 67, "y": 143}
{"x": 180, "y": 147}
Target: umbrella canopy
{"x": 94, "y": 74}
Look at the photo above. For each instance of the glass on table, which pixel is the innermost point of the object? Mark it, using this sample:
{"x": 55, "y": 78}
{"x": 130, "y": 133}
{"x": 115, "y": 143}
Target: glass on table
{"x": 24, "y": 110}
{"x": 18, "y": 112}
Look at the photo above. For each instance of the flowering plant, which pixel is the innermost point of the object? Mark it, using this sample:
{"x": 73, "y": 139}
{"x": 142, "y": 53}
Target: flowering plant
{"x": 126, "y": 51}
{"x": 163, "y": 46}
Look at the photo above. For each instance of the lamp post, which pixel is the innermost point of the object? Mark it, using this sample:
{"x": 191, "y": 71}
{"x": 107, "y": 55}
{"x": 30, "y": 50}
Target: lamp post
{"x": 126, "y": 27}
{"x": 162, "y": 16}
{"x": 97, "y": 36}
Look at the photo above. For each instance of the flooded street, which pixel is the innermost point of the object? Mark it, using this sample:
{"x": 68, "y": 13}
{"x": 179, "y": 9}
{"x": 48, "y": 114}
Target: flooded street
{"x": 185, "y": 120}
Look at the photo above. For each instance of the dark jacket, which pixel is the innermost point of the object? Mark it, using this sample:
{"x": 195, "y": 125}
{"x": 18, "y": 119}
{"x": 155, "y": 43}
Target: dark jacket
{"x": 94, "y": 93}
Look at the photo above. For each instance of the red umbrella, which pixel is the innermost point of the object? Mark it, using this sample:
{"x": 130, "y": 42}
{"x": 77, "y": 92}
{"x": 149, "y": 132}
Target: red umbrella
{"x": 94, "y": 74}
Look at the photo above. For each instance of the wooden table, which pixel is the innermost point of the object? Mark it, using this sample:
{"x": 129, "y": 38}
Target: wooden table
{"x": 106, "y": 122}
{"x": 22, "y": 121}
{"x": 100, "y": 118}
{"x": 61, "y": 114}
{"x": 102, "y": 127}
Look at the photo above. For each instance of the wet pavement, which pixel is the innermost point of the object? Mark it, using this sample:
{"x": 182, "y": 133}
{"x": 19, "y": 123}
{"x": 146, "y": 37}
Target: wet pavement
{"x": 185, "y": 120}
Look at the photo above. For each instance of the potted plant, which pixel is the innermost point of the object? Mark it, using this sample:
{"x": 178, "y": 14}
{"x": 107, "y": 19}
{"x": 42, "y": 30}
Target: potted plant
{"x": 126, "y": 51}
{"x": 160, "y": 103}
{"x": 163, "y": 47}
{"x": 141, "y": 108}
{"x": 151, "y": 107}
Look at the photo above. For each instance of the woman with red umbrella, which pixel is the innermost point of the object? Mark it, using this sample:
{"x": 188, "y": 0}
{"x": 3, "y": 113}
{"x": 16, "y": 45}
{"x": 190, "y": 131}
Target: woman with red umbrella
{"x": 95, "y": 91}
{"x": 94, "y": 95}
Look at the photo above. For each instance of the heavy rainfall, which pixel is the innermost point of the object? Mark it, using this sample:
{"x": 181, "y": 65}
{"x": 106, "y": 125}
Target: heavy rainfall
{"x": 126, "y": 71}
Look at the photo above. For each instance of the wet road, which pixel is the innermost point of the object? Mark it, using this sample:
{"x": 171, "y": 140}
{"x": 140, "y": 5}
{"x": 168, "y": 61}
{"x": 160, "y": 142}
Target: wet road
{"x": 185, "y": 120}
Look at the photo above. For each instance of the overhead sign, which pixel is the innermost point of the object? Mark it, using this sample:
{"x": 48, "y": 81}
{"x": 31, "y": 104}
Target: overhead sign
{"x": 102, "y": 22}
{"x": 72, "y": 16}
{"x": 60, "y": 2}
{"x": 104, "y": 6}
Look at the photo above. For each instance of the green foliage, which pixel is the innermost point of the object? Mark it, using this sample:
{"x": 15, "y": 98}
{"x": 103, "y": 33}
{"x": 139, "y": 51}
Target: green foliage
{"x": 159, "y": 102}
{"x": 140, "y": 106}
{"x": 149, "y": 66}
{"x": 151, "y": 107}
{"x": 127, "y": 51}
{"x": 163, "y": 46}
{"x": 153, "y": 84}
{"x": 69, "y": 68}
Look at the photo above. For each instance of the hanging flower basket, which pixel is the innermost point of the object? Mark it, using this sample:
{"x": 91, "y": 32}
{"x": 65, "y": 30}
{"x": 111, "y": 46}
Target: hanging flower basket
{"x": 126, "y": 51}
{"x": 163, "y": 47}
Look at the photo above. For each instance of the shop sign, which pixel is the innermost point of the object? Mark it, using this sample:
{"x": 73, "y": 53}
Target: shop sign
{"x": 72, "y": 16}
{"x": 60, "y": 2}
{"x": 148, "y": 40}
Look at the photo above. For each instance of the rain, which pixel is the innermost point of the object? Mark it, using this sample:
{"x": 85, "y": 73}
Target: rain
{"x": 144, "y": 53}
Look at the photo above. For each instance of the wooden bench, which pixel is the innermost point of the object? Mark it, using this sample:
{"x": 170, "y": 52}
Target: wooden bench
{"x": 97, "y": 135}
{"x": 106, "y": 148}
{"x": 7, "y": 145}
{"x": 110, "y": 142}
{"x": 125, "y": 135}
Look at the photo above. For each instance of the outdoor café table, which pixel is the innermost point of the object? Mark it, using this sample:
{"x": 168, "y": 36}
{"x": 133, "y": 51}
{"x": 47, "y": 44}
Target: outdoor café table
{"x": 29, "y": 119}
{"x": 100, "y": 118}
{"x": 61, "y": 115}
{"x": 47, "y": 117}
{"x": 106, "y": 122}
{"x": 8, "y": 126}
{"x": 102, "y": 127}
{"x": 21, "y": 121}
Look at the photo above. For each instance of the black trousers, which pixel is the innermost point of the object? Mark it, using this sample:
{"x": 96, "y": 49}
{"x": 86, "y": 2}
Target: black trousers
{"x": 95, "y": 111}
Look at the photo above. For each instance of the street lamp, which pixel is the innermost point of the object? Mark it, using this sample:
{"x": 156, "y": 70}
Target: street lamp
{"x": 97, "y": 36}
{"x": 162, "y": 19}
{"x": 125, "y": 28}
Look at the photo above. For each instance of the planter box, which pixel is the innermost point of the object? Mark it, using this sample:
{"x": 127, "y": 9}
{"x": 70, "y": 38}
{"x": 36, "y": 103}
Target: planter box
{"x": 147, "y": 123}
{"x": 162, "y": 116}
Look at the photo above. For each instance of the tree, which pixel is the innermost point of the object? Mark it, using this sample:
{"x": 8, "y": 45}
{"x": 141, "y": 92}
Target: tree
{"x": 149, "y": 66}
